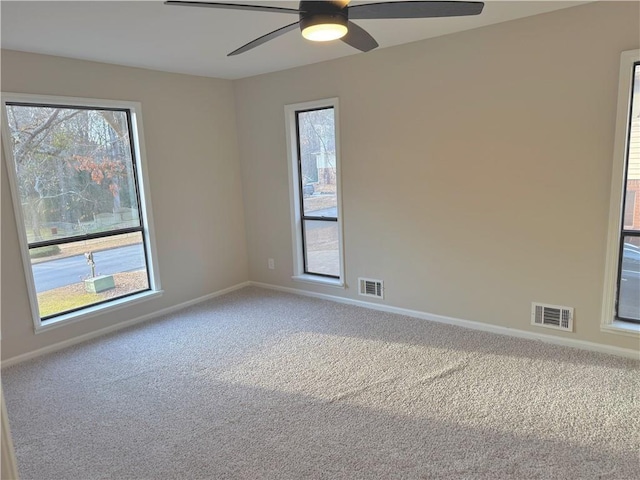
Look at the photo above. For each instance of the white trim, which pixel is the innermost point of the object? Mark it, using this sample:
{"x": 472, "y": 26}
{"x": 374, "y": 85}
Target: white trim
{"x": 608, "y": 323}
{"x": 470, "y": 324}
{"x": 145, "y": 195}
{"x": 294, "y": 191}
{"x": 103, "y": 331}
{"x": 8, "y": 460}
{"x": 20, "y": 226}
{"x": 626, "y": 329}
{"x": 140, "y": 165}
{"x": 67, "y": 101}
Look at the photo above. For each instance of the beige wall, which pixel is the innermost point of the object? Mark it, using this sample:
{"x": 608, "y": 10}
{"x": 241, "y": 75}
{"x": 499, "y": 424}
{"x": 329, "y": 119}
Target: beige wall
{"x": 194, "y": 176}
{"x": 475, "y": 167}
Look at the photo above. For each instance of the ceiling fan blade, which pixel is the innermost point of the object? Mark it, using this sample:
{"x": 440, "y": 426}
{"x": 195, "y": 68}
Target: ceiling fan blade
{"x": 359, "y": 38}
{"x": 232, "y": 6}
{"x": 264, "y": 38}
{"x": 414, "y": 10}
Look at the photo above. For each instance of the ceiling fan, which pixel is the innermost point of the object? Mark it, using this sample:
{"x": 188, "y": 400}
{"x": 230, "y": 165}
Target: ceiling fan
{"x": 322, "y": 21}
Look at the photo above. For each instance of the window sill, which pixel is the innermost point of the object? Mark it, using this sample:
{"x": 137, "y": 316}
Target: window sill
{"x": 622, "y": 328}
{"x": 89, "y": 312}
{"x": 317, "y": 280}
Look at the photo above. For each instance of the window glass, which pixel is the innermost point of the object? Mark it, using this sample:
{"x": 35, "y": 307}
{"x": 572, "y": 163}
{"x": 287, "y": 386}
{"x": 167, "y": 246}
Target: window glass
{"x": 317, "y": 173}
{"x": 318, "y": 162}
{"x": 59, "y": 278}
{"x": 629, "y": 301}
{"x": 322, "y": 252}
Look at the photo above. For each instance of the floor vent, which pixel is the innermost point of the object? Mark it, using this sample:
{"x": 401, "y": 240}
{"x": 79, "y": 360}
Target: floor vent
{"x": 371, "y": 288}
{"x": 552, "y": 316}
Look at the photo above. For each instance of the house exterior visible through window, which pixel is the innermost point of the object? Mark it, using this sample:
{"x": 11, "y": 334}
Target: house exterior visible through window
{"x": 77, "y": 183}
{"x": 315, "y": 191}
{"x": 622, "y": 283}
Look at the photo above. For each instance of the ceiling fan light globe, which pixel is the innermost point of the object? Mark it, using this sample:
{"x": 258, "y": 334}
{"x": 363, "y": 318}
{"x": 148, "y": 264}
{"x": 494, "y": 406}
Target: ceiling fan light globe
{"x": 324, "y": 32}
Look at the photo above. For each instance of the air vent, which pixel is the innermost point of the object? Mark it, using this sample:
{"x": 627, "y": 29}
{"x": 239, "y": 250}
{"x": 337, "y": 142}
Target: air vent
{"x": 371, "y": 288}
{"x": 552, "y": 316}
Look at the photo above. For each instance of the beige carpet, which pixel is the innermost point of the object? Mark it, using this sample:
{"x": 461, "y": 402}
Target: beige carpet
{"x": 265, "y": 385}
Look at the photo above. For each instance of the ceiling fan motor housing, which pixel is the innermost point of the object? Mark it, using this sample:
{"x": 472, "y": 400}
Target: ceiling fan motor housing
{"x": 317, "y": 12}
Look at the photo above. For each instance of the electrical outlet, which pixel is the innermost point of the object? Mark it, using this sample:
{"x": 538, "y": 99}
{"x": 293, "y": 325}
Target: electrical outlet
{"x": 271, "y": 263}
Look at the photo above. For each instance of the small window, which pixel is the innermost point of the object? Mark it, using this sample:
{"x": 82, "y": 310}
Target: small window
{"x": 622, "y": 285}
{"x": 315, "y": 192}
{"x": 628, "y": 301}
{"x": 76, "y": 179}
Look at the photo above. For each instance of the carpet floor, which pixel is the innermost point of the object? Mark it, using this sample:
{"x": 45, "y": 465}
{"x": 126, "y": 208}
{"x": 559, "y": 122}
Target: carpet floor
{"x": 259, "y": 384}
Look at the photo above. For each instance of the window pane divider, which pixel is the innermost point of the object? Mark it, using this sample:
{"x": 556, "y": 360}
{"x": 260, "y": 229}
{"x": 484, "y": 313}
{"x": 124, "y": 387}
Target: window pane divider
{"x": 88, "y": 236}
{"x": 326, "y": 219}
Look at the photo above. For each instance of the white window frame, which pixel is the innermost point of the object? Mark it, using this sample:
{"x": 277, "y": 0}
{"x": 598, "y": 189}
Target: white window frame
{"x": 294, "y": 193}
{"x": 140, "y": 165}
{"x": 609, "y": 323}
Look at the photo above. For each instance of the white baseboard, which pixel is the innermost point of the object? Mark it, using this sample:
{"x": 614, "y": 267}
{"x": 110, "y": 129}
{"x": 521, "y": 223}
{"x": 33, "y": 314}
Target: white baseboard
{"x": 473, "y": 325}
{"x": 485, "y": 327}
{"x": 103, "y": 331}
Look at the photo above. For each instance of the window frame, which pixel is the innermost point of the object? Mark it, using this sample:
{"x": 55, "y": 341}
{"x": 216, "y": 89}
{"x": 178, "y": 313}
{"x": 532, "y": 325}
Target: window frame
{"x": 296, "y": 194}
{"x": 136, "y": 138}
{"x": 609, "y": 321}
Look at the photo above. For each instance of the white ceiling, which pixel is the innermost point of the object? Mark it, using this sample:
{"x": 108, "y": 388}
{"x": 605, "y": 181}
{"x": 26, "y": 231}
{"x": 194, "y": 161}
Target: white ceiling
{"x": 195, "y": 41}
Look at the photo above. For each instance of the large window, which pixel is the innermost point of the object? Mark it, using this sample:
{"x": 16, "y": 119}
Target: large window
{"x": 622, "y": 287}
{"x": 315, "y": 191}
{"x": 76, "y": 179}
